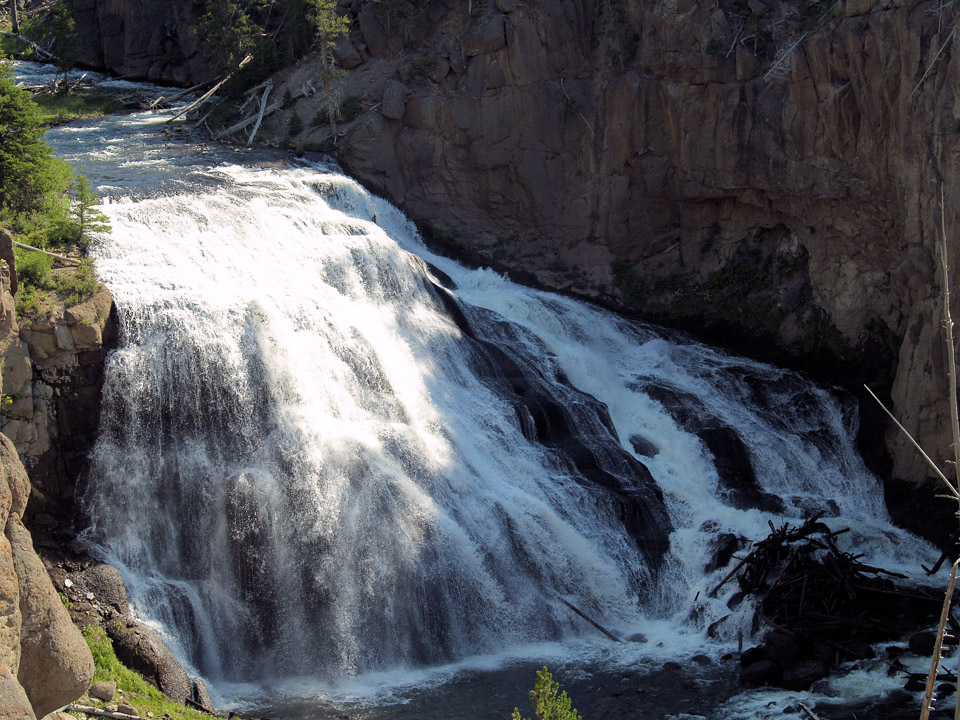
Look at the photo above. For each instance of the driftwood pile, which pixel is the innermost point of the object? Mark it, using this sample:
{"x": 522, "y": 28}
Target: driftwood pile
{"x": 822, "y": 604}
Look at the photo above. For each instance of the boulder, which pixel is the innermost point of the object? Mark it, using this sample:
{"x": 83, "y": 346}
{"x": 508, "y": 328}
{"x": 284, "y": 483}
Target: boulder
{"x": 103, "y": 690}
{"x": 140, "y": 648}
{"x": 14, "y": 704}
{"x": 762, "y": 672}
{"x": 486, "y": 38}
{"x": 802, "y": 675}
{"x": 394, "y": 100}
{"x": 56, "y": 666}
{"x": 200, "y": 695}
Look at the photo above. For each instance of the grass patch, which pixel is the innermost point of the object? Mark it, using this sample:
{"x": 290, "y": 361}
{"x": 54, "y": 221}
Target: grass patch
{"x": 81, "y": 103}
{"x": 137, "y": 691}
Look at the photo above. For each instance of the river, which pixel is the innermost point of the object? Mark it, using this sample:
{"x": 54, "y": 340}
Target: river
{"x": 345, "y": 476}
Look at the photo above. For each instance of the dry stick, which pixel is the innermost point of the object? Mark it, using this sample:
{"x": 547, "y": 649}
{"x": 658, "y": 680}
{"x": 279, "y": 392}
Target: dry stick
{"x": 570, "y": 100}
{"x": 39, "y": 50}
{"x": 248, "y": 121}
{"x": 953, "y": 491}
{"x": 164, "y": 100}
{"x": 64, "y": 258}
{"x": 102, "y": 713}
{"x": 206, "y": 96}
{"x": 934, "y": 61}
{"x": 935, "y": 660}
{"x": 597, "y": 625}
{"x": 263, "y": 106}
{"x": 951, "y": 360}
{"x": 810, "y": 713}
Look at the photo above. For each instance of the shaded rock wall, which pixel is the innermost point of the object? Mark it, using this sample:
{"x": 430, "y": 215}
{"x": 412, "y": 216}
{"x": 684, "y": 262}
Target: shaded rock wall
{"x": 643, "y": 153}
{"x": 141, "y": 40}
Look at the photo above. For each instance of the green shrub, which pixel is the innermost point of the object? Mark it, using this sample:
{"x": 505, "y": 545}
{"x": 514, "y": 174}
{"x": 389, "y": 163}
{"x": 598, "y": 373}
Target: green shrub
{"x": 33, "y": 268}
{"x": 77, "y": 286}
{"x": 349, "y": 109}
{"x": 546, "y": 703}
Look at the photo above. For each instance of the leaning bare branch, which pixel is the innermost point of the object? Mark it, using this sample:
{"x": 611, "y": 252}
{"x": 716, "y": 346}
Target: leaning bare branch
{"x": 935, "y": 660}
{"x": 570, "y": 100}
{"x": 954, "y": 493}
{"x": 263, "y": 106}
{"x": 934, "y": 61}
{"x": 47, "y": 55}
{"x": 207, "y": 95}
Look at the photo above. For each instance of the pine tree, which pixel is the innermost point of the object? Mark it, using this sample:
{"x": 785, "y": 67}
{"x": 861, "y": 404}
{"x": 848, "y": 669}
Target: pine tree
{"x": 29, "y": 174}
{"x": 328, "y": 27}
{"x": 546, "y": 703}
{"x": 85, "y": 213}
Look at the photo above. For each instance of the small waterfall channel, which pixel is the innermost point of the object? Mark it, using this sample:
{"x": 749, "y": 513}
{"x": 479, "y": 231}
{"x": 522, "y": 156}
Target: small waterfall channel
{"x": 332, "y": 459}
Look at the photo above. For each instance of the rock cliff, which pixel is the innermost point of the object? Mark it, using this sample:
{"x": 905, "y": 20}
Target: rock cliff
{"x": 766, "y": 172}
{"x": 44, "y": 661}
{"x": 141, "y": 40}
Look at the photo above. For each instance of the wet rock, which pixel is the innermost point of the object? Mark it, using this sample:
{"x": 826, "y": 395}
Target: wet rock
{"x": 923, "y": 642}
{"x": 752, "y": 655}
{"x": 762, "y": 672}
{"x": 782, "y": 648}
{"x": 802, "y": 675}
{"x": 200, "y": 695}
{"x": 140, "y": 648}
{"x": 642, "y": 446}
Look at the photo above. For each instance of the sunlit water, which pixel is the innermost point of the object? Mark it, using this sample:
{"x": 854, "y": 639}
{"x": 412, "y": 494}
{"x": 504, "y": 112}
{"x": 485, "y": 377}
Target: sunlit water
{"x": 337, "y": 470}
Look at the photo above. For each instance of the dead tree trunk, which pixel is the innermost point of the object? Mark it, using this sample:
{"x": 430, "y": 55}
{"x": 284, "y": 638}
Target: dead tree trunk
{"x": 15, "y": 21}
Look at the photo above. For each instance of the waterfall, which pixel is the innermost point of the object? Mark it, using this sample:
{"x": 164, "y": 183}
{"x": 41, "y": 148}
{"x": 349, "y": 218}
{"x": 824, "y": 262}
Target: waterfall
{"x": 326, "y": 451}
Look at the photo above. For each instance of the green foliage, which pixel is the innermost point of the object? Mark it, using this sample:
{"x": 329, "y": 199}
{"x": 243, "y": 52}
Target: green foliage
{"x": 137, "y": 691}
{"x": 77, "y": 286}
{"x": 56, "y": 31}
{"x": 547, "y": 704}
{"x": 33, "y": 268}
{"x": 714, "y": 47}
{"x": 822, "y": 337}
{"x": 87, "y": 218}
{"x": 634, "y": 290}
{"x": 83, "y": 103}
{"x": 294, "y": 125}
{"x": 29, "y": 174}
{"x": 350, "y": 108}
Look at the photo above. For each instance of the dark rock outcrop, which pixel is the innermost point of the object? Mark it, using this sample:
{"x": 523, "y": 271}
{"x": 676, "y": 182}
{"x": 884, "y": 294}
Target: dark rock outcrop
{"x": 154, "y": 41}
{"x": 139, "y": 647}
{"x": 671, "y": 156}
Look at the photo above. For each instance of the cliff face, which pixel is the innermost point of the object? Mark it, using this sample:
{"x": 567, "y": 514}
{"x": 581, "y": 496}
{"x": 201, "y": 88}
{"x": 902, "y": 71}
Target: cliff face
{"x": 768, "y": 170}
{"x": 44, "y": 661}
{"x": 141, "y": 40}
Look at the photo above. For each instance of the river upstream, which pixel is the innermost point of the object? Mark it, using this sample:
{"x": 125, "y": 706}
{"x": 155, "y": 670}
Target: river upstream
{"x": 347, "y": 477}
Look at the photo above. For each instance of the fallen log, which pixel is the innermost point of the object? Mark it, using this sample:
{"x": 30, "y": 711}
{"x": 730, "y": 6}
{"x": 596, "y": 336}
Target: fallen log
{"x": 62, "y": 258}
{"x": 590, "y": 620}
{"x": 165, "y": 100}
{"x": 249, "y": 121}
{"x": 263, "y": 106}
{"x": 45, "y": 54}
{"x": 207, "y": 95}
{"x": 90, "y": 710}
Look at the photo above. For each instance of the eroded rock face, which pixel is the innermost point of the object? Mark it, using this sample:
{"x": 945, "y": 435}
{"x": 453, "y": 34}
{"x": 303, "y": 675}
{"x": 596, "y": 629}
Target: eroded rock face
{"x": 55, "y": 663}
{"x": 55, "y": 409}
{"x": 671, "y": 156}
{"x": 141, "y": 40}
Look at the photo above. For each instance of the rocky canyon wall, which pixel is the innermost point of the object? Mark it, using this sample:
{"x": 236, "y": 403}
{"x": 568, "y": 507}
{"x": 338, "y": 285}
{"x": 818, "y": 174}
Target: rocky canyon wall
{"x": 766, "y": 172}
{"x": 44, "y": 661}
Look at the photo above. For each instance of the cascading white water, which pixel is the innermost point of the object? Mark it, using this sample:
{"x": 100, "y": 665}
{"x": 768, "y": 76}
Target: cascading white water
{"x": 326, "y": 451}
{"x": 314, "y": 459}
